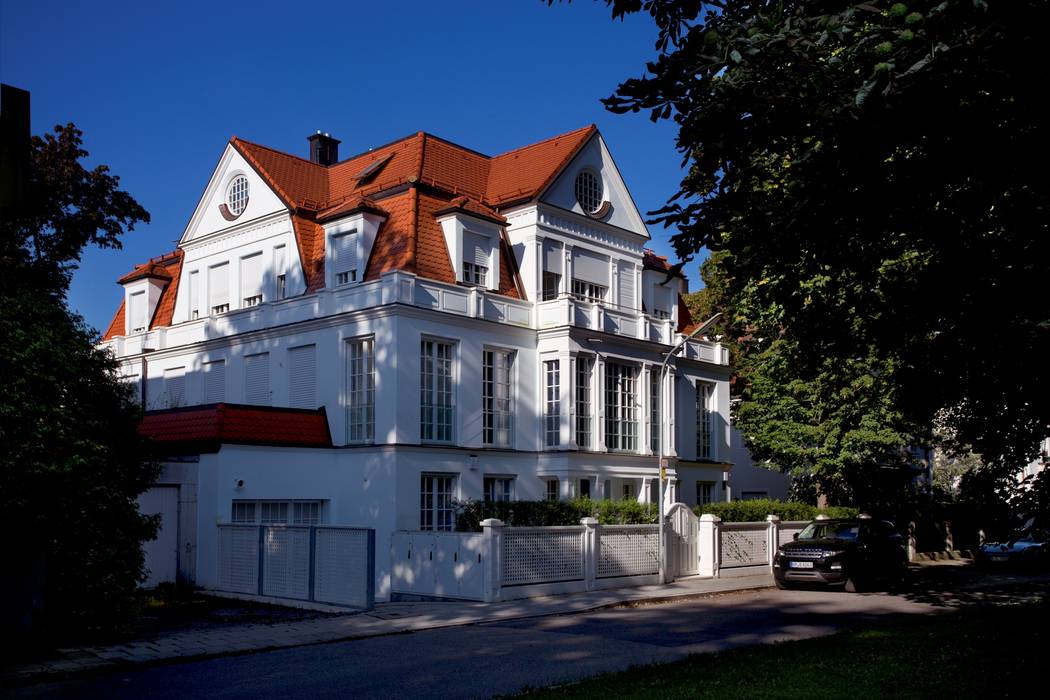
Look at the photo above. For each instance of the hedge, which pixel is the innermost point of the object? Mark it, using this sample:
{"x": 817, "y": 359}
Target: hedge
{"x": 469, "y": 514}
{"x": 752, "y": 511}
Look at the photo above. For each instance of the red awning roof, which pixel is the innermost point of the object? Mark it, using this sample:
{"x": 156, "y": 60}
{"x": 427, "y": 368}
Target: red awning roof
{"x": 205, "y": 428}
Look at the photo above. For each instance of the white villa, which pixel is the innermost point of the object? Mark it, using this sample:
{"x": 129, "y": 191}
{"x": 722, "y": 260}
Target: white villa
{"x": 365, "y": 341}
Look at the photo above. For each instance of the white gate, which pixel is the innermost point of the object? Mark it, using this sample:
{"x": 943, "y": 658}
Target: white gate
{"x": 683, "y": 547}
{"x": 162, "y": 553}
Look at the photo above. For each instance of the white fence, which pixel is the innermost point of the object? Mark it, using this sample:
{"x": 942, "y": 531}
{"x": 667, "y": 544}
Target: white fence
{"x": 323, "y": 564}
{"x": 507, "y": 563}
{"x": 789, "y": 528}
{"x": 744, "y": 544}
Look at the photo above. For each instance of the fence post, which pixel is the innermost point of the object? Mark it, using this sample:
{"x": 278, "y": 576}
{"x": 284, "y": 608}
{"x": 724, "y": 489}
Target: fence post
{"x": 492, "y": 529}
{"x": 708, "y": 544}
{"x": 773, "y": 539}
{"x": 591, "y": 535}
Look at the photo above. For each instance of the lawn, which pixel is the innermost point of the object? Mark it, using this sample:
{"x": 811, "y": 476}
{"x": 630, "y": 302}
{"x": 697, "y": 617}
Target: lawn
{"x": 987, "y": 651}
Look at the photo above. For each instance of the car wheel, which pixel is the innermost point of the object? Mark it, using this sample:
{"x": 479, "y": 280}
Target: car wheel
{"x": 853, "y": 585}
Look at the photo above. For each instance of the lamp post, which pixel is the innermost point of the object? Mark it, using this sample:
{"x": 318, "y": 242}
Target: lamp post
{"x": 661, "y": 551}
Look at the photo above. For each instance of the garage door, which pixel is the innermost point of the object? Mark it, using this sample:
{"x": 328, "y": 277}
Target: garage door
{"x": 162, "y": 553}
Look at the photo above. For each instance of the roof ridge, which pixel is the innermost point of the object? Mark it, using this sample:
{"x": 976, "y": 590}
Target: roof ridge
{"x": 589, "y": 127}
{"x": 279, "y": 152}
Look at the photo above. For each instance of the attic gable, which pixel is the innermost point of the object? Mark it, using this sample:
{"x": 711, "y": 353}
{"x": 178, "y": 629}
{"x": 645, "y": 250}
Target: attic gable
{"x": 594, "y": 158}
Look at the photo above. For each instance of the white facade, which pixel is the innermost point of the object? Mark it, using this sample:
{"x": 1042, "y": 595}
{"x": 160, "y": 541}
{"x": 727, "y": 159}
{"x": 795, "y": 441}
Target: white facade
{"x": 463, "y": 391}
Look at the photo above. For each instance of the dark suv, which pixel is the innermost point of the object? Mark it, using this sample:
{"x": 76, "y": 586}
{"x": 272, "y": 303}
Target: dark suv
{"x": 854, "y": 553}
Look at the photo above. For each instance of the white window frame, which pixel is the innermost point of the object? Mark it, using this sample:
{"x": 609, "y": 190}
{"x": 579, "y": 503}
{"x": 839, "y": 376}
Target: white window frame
{"x": 589, "y": 292}
{"x": 705, "y": 433}
{"x": 552, "y": 492}
{"x": 436, "y": 498}
{"x": 497, "y": 397}
{"x": 295, "y": 512}
{"x": 437, "y": 395}
{"x": 621, "y": 407}
{"x": 585, "y": 402}
{"x": 552, "y": 403}
{"x": 498, "y": 488}
{"x": 475, "y": 275}
{"x": 360, "y": 390}
{"x": 551, "y": 286}
{"x": 655, "y": 411}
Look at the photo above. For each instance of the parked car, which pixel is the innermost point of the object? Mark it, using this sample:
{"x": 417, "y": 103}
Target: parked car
{"x": 854, "y": 553}
{"x": 1027, "y": 549}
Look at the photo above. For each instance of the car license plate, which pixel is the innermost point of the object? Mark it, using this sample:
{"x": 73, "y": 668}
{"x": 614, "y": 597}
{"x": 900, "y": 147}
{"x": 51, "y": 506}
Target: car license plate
{"x": 997, "y": 558}
{"x": 800, "y": 565}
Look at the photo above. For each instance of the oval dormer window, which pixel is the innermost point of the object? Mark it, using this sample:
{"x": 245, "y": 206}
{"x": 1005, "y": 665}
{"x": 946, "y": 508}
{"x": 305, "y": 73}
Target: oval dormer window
{"x": 237, "y": 195}
{"x": 589, "y": 191}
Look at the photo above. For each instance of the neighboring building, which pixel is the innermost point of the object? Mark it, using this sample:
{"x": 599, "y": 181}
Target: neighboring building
{"x": 749, "y": 481}
{"x": 366, "y": 341}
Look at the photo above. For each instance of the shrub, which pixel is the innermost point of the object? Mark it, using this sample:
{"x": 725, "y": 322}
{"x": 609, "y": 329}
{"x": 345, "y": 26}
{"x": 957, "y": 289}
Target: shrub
{"x": 469, "y": 514}
{"x": 757, "y": 510}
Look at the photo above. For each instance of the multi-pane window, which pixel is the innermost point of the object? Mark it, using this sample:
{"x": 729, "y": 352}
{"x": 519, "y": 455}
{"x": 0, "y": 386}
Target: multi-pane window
{"x": 276, "y": 512}
{"x": 243, "y": 512}
{"x": 584, "y": 403}
{"x": 552, "y": 489}
{"x": 551, "y": 283}
{"x": 360, "y": 390}
{"x": 496, "y": 397}
{"x": 704, "y": 491}
{"x": 661, "y": 313}
{"x": 585, "y": 488}
{"x": 344, "y": 253}
{"x": 654, "y": 411}
{"x": 498, "y": 488}
{"x": 237, "y": 195}
{"x": 435, "y": 502}
{"x": 435, "y": 389}
{"x": 279, "y": 262}
{"x": 475, "y": 274}
{"x": 704, "y": 429}
{"x": 308, "y": 513}
{"x": 621, "y": 411}
{"x": 628, "y": 491}
{"x": 588, "y": 291}
{"x": 552, "y": 403}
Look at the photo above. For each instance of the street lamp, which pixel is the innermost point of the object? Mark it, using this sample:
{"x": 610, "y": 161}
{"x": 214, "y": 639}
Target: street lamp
{"x": 661, "y": 551}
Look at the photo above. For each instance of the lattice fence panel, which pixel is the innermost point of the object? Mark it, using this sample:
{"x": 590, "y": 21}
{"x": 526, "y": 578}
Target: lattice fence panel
{"x": 628, "y": 550}
{"x": 744, "y": 545}
{"x": 239, "y": 558}
{"x": 788, "y": 530}
{"x": 341, "y": 570}
{"x": 286, "y": 562}
{"x": 542, "y": 555}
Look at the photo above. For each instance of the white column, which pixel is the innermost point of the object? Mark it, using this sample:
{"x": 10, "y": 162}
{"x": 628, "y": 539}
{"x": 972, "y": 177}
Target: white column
{"x": 709, "y": 545}
{"x": 492, "y": 548}
{"x": 772, "y": 538}
{"x": 591, "y": 534}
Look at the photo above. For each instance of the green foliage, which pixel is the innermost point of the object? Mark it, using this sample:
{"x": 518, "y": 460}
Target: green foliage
{"x": 469, "y": 514}
{"x": 73, "y": 462}
{"x": 864, "y": 177}
{"x": 757, "y": 510}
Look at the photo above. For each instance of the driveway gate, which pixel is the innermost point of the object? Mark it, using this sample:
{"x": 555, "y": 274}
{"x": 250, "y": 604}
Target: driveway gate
{"x": 683, "y": 548}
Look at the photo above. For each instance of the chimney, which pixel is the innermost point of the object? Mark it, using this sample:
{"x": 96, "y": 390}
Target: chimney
{"x": 324, "y": 150}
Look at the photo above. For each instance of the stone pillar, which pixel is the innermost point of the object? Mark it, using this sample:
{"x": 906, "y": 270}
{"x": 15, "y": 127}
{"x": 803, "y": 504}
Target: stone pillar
{"x": 709, "y": 545}
{"x": 492, "y": 552}
{"x": 591, "y": 533}
{"x": 773, "y": 538}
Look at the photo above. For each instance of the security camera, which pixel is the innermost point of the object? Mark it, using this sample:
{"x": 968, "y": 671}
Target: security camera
{"x": 238, "y": 483}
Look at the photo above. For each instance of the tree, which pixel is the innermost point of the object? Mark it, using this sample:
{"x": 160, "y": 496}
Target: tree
{"x": 869, "y": 177}
{"x": 73, "y": 462}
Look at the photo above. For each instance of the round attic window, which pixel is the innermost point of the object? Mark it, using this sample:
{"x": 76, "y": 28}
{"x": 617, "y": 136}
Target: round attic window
{"x": 589, "y": 191}
{"x": 237, "y": 195}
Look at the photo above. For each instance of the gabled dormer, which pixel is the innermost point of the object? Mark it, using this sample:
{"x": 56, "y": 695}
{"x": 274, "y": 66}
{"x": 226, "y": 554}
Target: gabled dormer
{"x": 143, "y": 288}
{"x": 472, "y": 234}
{"x": 350, "y": 230}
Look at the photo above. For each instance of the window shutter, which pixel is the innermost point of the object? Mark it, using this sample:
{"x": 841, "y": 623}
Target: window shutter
{"x": 302, "y": 377}
{"x": 251, "y": 275}
{"x": 344, "y": 253}
{"x": 195, "y": 293}
{"x": 257, "y": 379}
{"x": 137, "y": 312}
{"x": 552, "y": 256}
{"x": 215, "y": 381}
{"x": 662, "y": 299}
{"x": 476, "y": 249}
{"x": 590, "y": 267}
{"x": 219, "y": 285}
{"x": 175, "y": 386}
{"x": 626, "y": 284}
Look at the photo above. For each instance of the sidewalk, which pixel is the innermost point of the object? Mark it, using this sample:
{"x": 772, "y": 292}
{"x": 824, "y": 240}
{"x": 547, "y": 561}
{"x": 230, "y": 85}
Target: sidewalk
{"x": 386, "y": 618}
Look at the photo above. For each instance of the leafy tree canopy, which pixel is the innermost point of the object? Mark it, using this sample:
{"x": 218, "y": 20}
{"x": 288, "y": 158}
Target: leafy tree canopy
{"x": 73, "y": 463}
{"x": 870, "y": 177}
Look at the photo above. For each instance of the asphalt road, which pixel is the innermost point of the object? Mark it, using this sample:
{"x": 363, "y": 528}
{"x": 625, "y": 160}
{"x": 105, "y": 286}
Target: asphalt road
{"x": 489, "y": 659}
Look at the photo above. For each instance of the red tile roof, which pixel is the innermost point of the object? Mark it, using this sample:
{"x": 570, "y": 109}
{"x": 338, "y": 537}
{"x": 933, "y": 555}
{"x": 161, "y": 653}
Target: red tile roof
{"x": 420, "y": 177}
{"x": 652, "y": 261}
{"x": 205, "y": 428}
{"x": 168, "y": 269}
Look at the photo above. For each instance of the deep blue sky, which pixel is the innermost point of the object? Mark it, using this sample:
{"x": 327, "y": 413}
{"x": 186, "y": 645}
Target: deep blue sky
{"x": 158, "y": 89}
